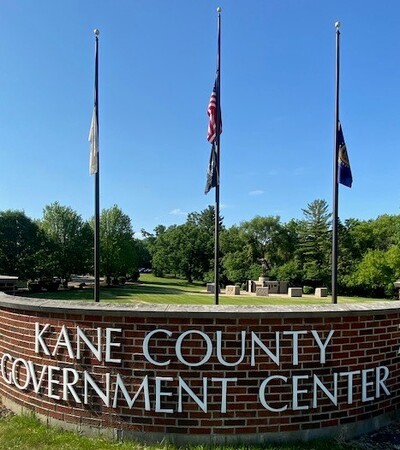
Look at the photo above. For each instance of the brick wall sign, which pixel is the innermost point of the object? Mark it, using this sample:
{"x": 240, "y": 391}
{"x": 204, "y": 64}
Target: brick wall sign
{"x": 202, "y": 374}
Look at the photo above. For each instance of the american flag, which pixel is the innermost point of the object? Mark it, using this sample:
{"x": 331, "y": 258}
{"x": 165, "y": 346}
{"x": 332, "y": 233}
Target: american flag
{"x": 212, "y": 113}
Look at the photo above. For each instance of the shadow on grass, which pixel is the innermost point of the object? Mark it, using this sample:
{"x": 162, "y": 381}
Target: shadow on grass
{"x": 177, "y": 282}
{"x": 108, "y": 293}
{"x": 148, "y": 289}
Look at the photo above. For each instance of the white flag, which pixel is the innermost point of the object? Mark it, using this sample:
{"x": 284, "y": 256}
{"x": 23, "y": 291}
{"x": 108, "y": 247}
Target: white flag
{"x": 94, "y": 144}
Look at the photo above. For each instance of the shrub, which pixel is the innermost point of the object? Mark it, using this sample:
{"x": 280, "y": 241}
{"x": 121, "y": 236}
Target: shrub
{"x": 50, "y": 284}
{"x": 308, "y": 290}
{"x": 135, "y": 276}
{"x": 33, "y": 286}
{"x": 122, "y": 280}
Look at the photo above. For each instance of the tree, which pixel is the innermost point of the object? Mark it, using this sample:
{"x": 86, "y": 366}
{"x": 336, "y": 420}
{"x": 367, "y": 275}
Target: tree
{"x": 118, "y": 255}
{"x": 315, "y": 243}
{"x": 263, "y": 237}
{"x": 70, "y": 240}
{"x": 21, "y": 245}
{"x": 142, "y": 253}
{"x": 185, "y": 250}
{"x": 237, "y": 260}
{"x": 162, "y": 251}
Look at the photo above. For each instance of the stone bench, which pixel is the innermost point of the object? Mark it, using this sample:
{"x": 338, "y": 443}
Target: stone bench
{"x": 262, "y": 292}
{"x": 321, "y": 292}
{"x": 295, "y": 292}
{"x": 232, "y": 290}
{"x": 210, "y": 288}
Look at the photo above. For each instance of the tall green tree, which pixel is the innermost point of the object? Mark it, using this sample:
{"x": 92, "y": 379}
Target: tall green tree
{"x": 185, "y": 250}
{"x": 21, "y": 245}
{"x": 289, "y": 266}
{"x": 315, "y": 243}
{"x": 70, "y": 240}
{"x": 118, "y": 255}
{"x": 376, "y": 272}
{"x": 237, "y": 260}
{"x": 254, "y": 248}
{"x": 263, "y": 236}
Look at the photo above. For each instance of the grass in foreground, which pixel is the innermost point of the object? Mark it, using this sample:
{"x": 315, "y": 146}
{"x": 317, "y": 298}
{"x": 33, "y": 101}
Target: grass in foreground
{"x": 27, "y": 433}
{"x": 175, "y": 291}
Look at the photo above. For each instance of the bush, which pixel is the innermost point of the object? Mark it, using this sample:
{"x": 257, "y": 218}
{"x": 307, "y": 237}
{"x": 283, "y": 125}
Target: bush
{"x": 33, "y": 286}
{"x": 50, "y": 284}
{"x": 308, "y": 290}
{"x": 135, "y": 276}
{"x": 122, "y": 280}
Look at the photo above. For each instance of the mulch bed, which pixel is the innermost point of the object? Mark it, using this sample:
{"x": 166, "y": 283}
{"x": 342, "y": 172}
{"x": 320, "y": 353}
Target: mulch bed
{"x": 386, "y": 438}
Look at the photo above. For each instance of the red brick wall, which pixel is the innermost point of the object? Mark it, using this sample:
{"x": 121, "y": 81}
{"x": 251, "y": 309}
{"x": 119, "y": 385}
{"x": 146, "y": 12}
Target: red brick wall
{"x": 362, "y": 340}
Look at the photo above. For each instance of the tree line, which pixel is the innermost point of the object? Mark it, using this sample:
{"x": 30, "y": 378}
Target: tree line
{"x": 61, "y": 244}
{"x": 299, "y": 251}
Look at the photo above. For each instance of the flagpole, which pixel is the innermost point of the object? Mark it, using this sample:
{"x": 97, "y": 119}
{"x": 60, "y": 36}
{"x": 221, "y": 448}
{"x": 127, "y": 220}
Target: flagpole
{"x": 335, "y": 175}
{"x": 97, "y": 180}
{"x": 217, "y": 141}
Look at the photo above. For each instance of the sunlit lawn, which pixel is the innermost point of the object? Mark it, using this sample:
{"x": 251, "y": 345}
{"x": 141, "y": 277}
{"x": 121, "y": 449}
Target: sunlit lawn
{"x": 26, "y": 433}
{"x": 151, "y": 289}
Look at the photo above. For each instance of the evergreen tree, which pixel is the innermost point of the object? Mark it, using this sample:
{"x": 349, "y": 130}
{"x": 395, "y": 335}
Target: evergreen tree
{"x": 315, "y": 243}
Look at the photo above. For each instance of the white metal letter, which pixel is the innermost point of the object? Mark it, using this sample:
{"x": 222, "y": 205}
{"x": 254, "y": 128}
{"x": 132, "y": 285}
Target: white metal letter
{"x": 297, "y": 391}
{"x": 380, "y": 380}
{"x": 295, "y": 345}
{"x": 365, "y": 384}
{"x": 160, "y": 393}
{"x": 36, "y": 384}
{"x": 39, "y": 342}
{"x": 322, "y": 346}
{"x": 16, "y": 373}
{"x": 146, "y": 347}
{"x": 261, "y": 393}
{"x": 219, "y": 350}
{"x": 350, "y": 376}
{"x": 65, "y": 343}
{"x": 183, "y": 386}
{"x": 51, "y": 381}
{"x": 178, "y": 348}
{"x": 3, "y": 364}
{"x": 224, "y": 391}
{"x": 258, "y": 341}
{"x": 69, "y": 385}
{"x": 105, "y": 396}
{"x": 110, "y": 344}
{"x": 131, "y": 401}
{"x": 80, "y": 335}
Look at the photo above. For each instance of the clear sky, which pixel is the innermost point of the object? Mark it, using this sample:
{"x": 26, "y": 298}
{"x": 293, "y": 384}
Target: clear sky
{"x": 157, "y": 69}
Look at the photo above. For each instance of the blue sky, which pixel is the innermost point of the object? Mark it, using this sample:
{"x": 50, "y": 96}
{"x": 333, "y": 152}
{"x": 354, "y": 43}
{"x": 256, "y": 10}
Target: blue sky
{"x": 157, "y": 68}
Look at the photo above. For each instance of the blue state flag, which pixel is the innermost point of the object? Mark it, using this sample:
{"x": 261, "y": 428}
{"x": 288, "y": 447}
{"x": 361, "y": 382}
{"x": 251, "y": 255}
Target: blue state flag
{"x": 345, "y": 176}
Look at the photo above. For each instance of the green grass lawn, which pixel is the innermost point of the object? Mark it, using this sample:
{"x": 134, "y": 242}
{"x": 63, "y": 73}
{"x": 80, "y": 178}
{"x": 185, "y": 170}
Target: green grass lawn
{"x": 175, "y": 291}
{"x": 27, "y": 433}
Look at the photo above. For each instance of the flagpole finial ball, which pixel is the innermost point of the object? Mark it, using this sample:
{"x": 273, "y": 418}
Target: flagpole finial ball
{"x": 96, "y": 31}
{"x": 219, "y": 9}
{"x": 337, "y": 24}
